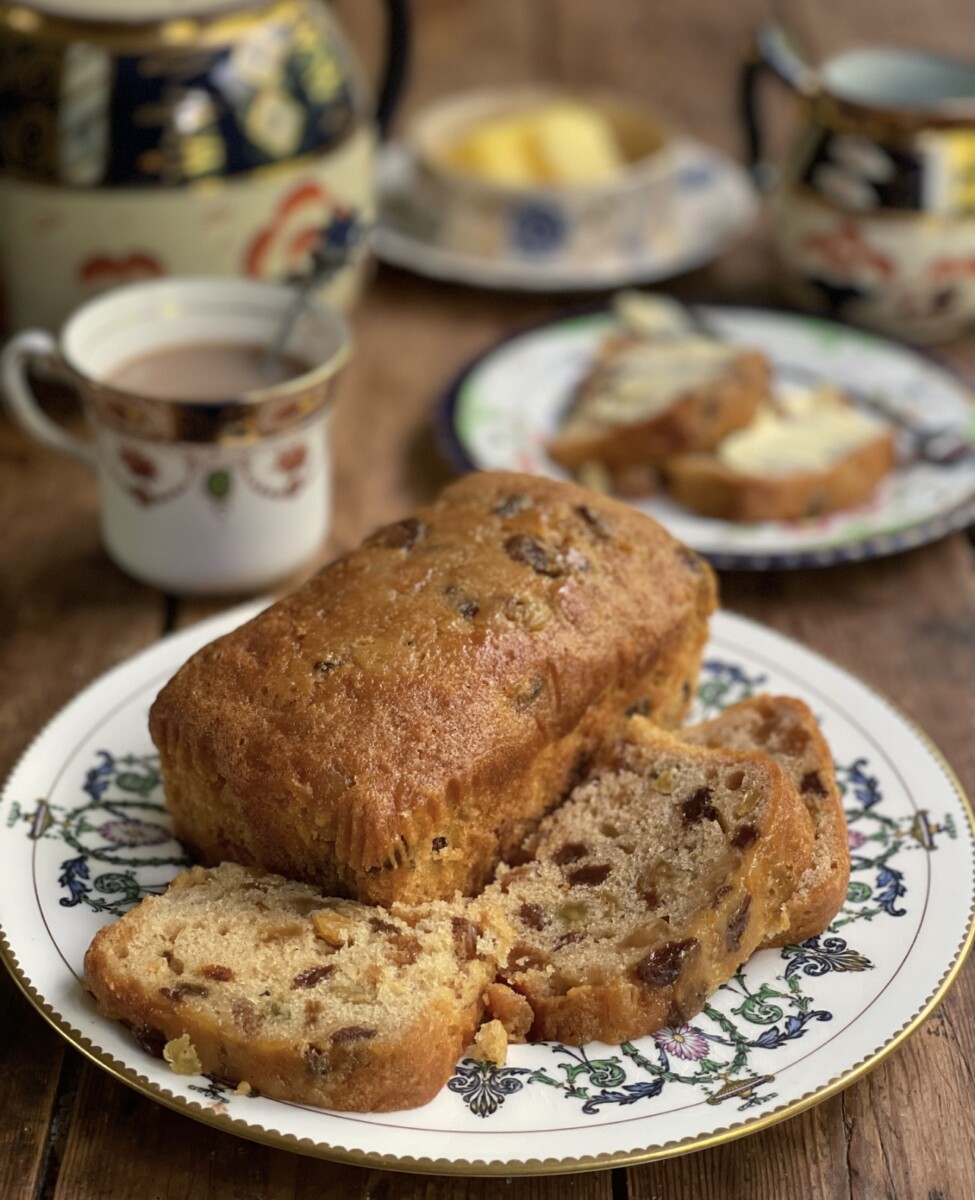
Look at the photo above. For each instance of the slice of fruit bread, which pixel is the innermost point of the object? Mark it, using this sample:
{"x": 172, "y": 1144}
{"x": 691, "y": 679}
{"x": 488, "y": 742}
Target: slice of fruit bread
{"x": 256, "y": 979}
{"x": 648, "y": 888}
{"x": 787, "y": 731}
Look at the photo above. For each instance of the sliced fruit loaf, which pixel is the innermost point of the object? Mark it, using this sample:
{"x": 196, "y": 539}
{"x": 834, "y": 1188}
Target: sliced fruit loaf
{"x": 647, "y": 399}
{"x": 256, "y": 979}
{"x": 787, "y": 731}
{"x": 649, "y": 887}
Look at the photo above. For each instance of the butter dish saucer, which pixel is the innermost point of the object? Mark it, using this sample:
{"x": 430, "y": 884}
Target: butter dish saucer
{"x": 713, "y": 205}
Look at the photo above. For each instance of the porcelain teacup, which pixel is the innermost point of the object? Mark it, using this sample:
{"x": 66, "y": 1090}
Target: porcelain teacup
{"x": 213, "y": 496}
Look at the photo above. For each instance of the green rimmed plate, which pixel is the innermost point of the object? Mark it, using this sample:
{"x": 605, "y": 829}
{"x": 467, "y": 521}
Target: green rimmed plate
{"x": 505, "y": 407}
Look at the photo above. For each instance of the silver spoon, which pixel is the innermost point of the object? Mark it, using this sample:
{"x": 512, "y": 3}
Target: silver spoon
{"x": 332, "y": 251}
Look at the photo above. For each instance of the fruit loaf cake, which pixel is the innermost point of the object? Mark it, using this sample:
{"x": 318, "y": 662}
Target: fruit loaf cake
{"x": 648, "y": 888}
{"x": 264, "y": 982}
{"x": 814, "y": 454}
{"x": 391, "y": 729}
{"x": 645, "y": 400}
{"x": 786, "y": 730}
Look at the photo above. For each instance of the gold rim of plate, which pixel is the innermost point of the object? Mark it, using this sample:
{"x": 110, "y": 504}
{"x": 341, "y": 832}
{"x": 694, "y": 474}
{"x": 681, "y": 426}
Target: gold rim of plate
{"x": 533, "y": 1166}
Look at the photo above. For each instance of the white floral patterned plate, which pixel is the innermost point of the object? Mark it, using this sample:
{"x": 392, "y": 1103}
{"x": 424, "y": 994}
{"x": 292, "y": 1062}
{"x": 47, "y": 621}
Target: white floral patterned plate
{"x": 505, "y": 407}
{"x": 84, "y": 834}
{"x": 714, "y": 203}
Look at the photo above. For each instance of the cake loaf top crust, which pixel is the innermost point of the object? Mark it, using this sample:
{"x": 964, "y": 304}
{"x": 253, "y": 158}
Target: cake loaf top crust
{"x": 446, "y": 652}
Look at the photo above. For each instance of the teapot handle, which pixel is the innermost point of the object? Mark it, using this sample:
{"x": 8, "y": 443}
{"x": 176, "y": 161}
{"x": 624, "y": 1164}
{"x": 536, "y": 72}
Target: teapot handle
{"x": 773, "y": 51}
{"x": 396, "y": 61}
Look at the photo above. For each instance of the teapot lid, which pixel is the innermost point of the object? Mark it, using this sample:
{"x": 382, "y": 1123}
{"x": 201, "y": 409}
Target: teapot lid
{"x": 138, "y": 12}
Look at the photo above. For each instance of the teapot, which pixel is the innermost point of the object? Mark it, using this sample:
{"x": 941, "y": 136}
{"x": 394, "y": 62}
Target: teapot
{"x": 873, "y": 207}
{"x": 143, "y": 138}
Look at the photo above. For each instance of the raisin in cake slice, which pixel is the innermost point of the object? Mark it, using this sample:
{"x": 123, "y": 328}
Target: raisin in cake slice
{"x": 786, "y": 730}
{"x": 253, "y": 978}
{"x": 649, "y": 887}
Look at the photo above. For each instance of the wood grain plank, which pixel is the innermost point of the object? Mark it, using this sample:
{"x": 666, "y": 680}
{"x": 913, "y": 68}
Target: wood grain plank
{"x": 66, "y": 612}
{"x": 803, "y": 1157}
{"x": 123, "y": 1145}
{"x": 31, "y": 1056}
{"x": 905, "y": 1138}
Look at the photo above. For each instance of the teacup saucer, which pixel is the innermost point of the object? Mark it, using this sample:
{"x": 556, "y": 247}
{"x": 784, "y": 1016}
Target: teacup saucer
{"x": 714, "y": 205}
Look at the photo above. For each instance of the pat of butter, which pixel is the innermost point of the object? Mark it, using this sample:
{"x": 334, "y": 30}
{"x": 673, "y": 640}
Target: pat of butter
{"x": 574, "y": 144}
{"x": 649, "y": 376}
{"x": 652, "y": 315}
{"x": 564, "y": 142}
{"x": 496, "y": 152}
{"x": 813, "y": 431}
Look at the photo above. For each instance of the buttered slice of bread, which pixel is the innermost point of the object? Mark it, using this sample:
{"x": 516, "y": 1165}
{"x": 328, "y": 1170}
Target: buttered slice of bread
{"x": 646, "y": 399}
{"x": 265, "y": 982}
{"x": 787, "y": 731}
{"x": 648, "y": 888}
{"x": 810, "y": 454}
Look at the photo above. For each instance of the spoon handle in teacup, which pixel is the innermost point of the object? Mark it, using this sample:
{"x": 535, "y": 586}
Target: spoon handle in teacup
{"x": 332, "y": 251}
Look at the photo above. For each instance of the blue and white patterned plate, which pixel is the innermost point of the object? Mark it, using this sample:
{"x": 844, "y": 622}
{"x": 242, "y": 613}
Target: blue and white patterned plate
{"x": 504, "y": 409}
{"x": 83, "y": 834}
{"x": 713, "y": 204}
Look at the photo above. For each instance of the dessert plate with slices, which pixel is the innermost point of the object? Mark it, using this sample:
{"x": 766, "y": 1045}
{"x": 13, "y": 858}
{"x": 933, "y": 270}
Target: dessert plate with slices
{"x": 508, "y": 410}
{"x": 85, "y": 836}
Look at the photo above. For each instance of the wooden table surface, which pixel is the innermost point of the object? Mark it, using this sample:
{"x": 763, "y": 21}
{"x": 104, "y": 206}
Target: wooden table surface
{"x": 904, "y": 624}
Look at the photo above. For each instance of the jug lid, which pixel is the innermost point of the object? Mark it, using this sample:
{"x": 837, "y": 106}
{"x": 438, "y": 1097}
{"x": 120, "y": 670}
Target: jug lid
{"x": 138, "y": 12}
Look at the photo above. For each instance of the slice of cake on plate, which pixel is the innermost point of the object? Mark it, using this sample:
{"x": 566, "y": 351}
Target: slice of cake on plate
{"x": 813, "y": 453}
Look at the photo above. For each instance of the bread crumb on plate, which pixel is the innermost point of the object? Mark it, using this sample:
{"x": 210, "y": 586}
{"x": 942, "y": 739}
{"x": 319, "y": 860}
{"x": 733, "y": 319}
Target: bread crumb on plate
{"x": 181, "y": 1055}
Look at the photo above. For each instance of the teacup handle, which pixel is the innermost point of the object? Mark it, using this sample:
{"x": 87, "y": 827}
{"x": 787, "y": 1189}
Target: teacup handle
{"x": 773, "y": 51}
{"x": 22, "y": 349}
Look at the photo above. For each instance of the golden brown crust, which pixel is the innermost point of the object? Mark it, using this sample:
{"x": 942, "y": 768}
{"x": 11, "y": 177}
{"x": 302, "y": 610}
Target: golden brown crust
{"x": 730, "y": 914}
{"x": 786, "y": 730}
{"x": 704, "y": 484}
{"x": 386, "y": 729}
{"x": 696, "y": 420}
{"x": 314, "y": 1048}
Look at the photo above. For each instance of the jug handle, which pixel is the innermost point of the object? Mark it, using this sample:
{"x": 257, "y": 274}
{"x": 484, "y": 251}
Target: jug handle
{"x": 772, "y": 51}
{"x": 396, "y": 59}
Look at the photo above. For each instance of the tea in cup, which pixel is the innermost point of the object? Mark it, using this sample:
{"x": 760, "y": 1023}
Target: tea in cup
{"x": 213, "y": 463}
